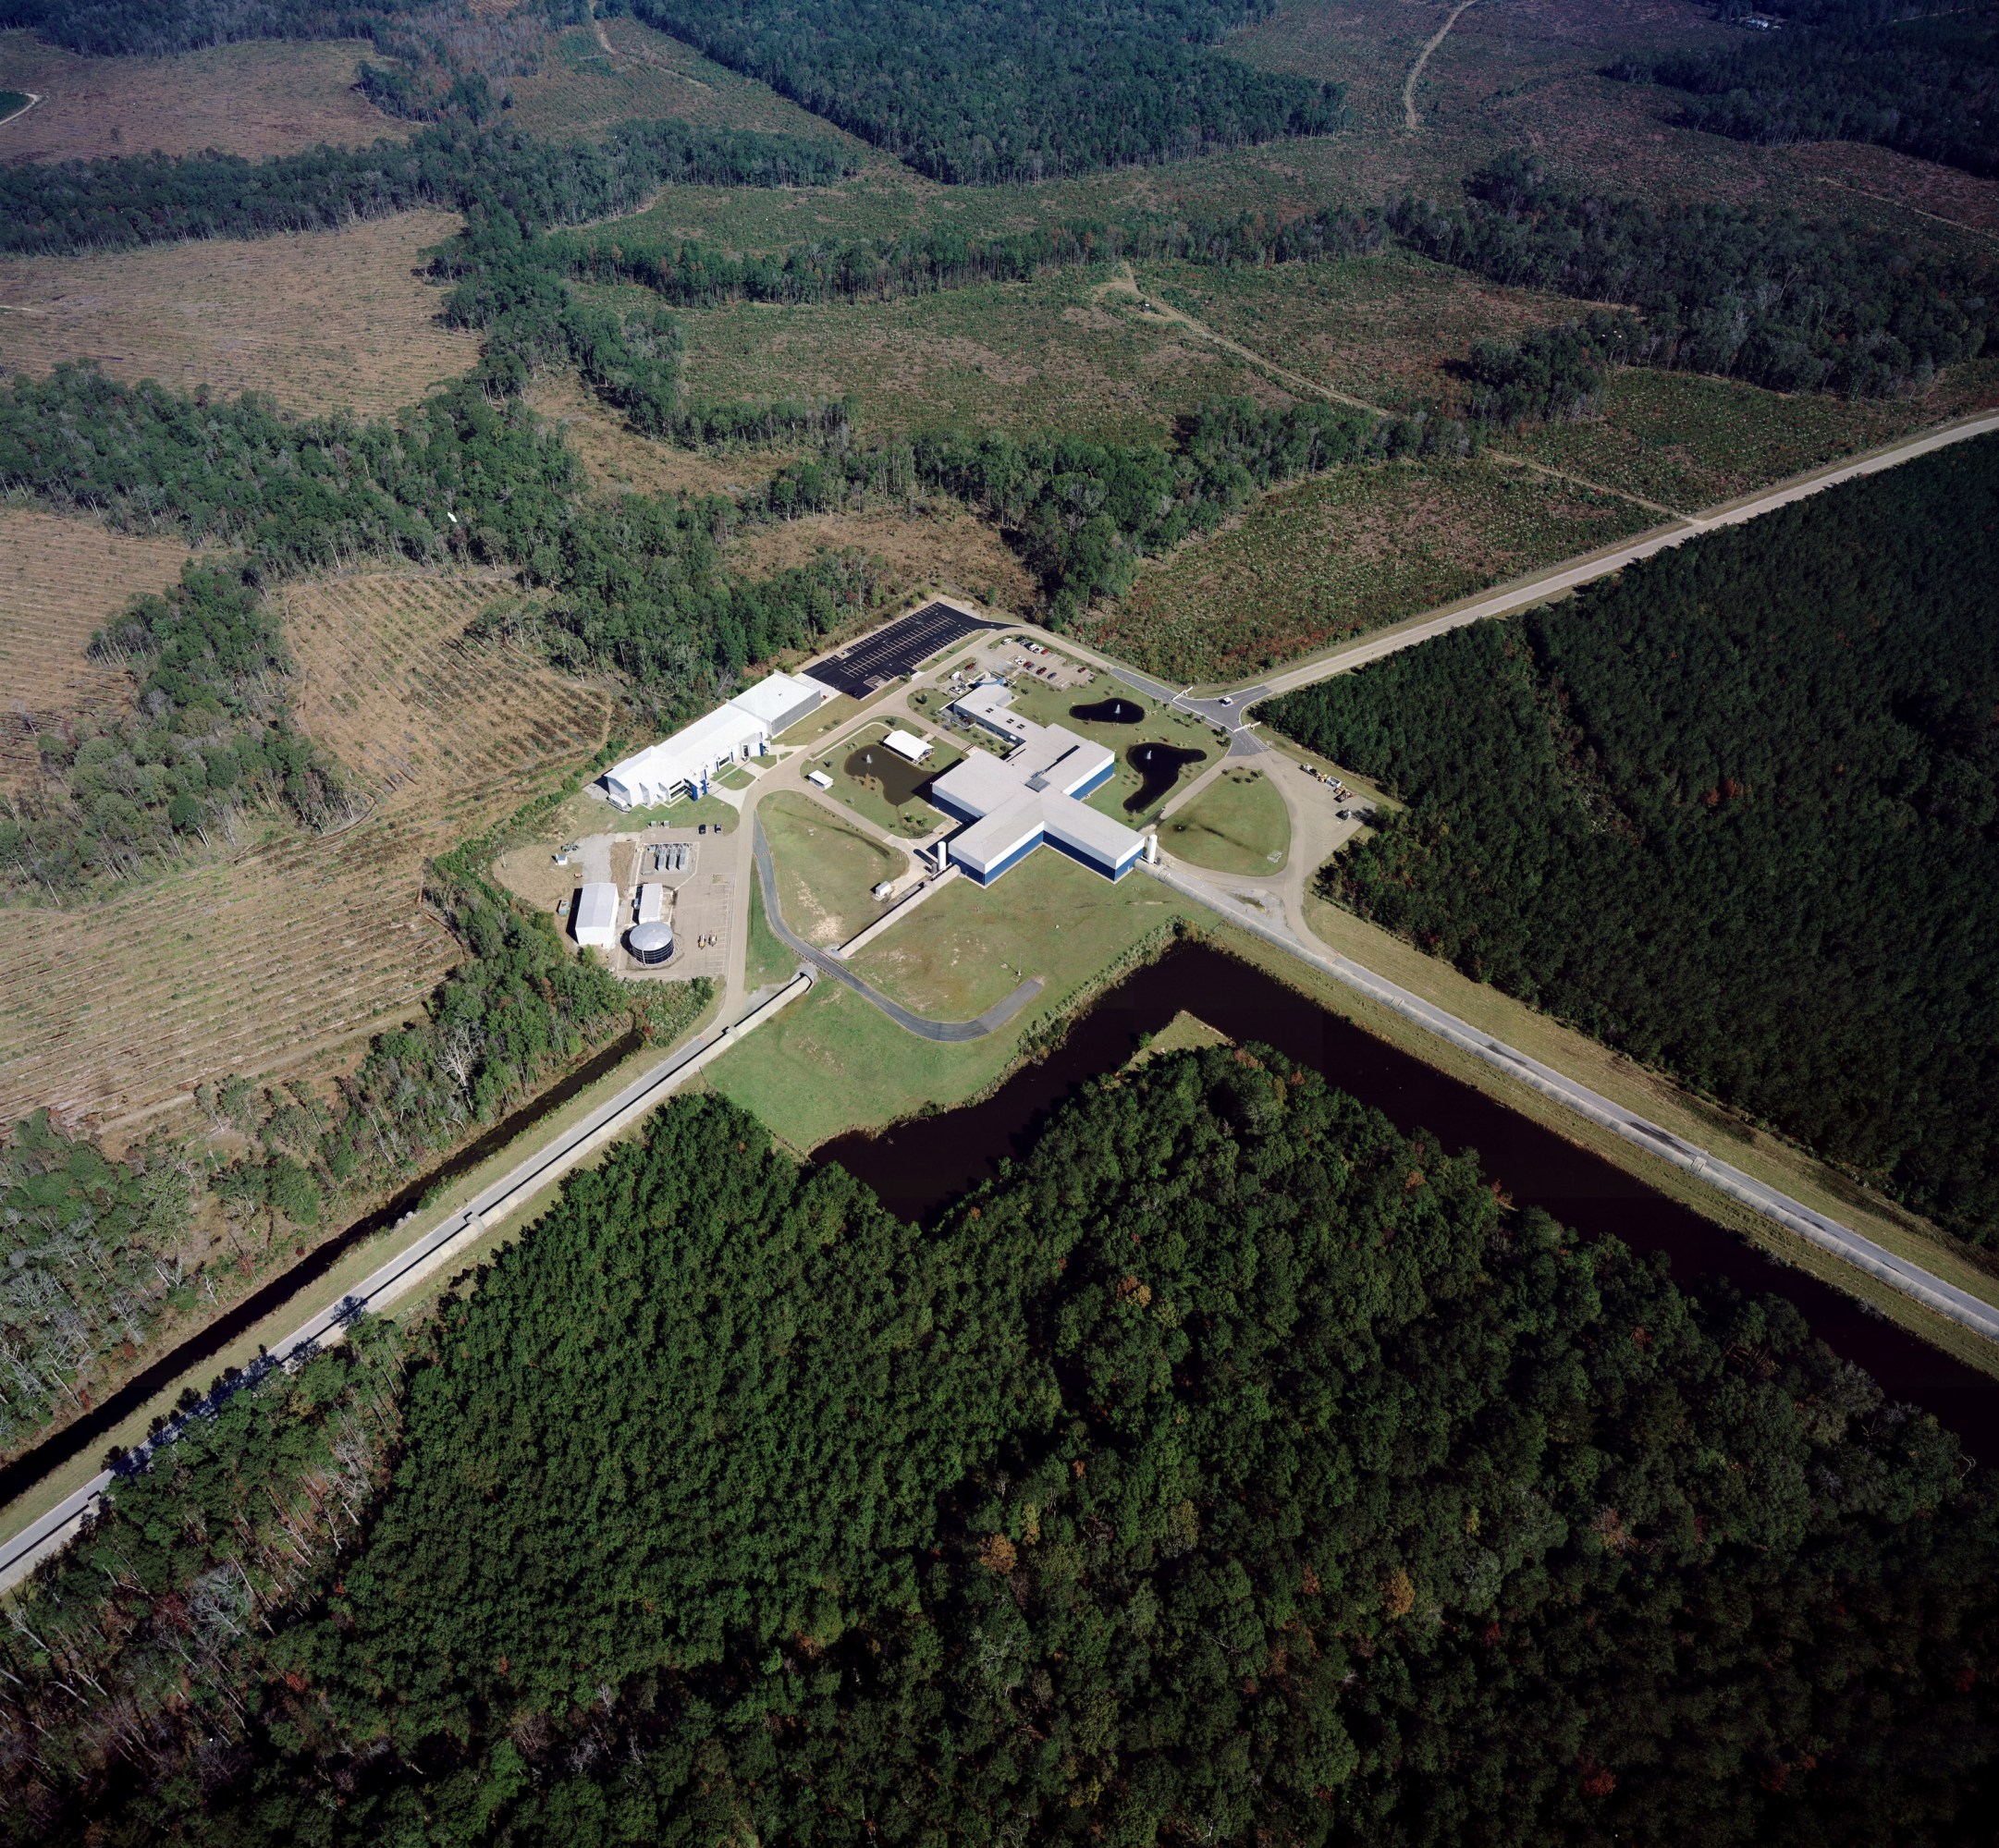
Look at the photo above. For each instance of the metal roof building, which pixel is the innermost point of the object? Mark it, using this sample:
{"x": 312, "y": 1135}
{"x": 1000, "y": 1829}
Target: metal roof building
{"x": 742, "y": 727}
{"x": 1030, "y": 798}
{"x": 595, "y": 917}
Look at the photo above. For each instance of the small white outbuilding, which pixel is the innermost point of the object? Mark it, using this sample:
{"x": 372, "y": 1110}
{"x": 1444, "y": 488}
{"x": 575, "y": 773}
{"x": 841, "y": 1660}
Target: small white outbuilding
{"x": 907, "y": 744}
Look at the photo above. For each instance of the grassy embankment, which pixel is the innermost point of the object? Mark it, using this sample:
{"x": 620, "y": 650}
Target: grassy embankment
{"x": 356, "y": 1265}
{"x": 833, "y": 1062}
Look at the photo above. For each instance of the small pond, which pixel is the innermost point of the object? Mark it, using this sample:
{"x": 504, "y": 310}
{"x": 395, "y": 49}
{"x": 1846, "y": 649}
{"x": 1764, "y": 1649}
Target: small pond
{"x": 1109, "y": 712}
{"x": 1159, "y": 768}
{"x": 920, "y": 1166}
{"x": 899, "y": 780}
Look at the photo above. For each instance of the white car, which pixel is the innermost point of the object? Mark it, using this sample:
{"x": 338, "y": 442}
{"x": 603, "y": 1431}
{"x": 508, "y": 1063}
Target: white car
{"x": 1226, "y": 700}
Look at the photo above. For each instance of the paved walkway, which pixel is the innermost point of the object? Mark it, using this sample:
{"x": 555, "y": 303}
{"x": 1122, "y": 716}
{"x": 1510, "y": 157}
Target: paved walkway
{"x": 827, "y": 964}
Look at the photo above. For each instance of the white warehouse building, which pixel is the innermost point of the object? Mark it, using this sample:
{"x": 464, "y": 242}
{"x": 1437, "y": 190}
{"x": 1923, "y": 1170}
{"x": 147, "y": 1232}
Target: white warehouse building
{"x": 594, "y": 920}
{"x": 743, "y": 728}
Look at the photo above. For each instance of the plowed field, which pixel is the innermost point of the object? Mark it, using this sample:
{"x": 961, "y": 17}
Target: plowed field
{"x": 59, "y": 580}
{"x": 301, "y": 944}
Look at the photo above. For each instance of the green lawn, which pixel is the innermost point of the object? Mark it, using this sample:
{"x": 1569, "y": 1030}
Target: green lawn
{"x": 768, "y": 960}
{"x": 826, "y": 868}
{"x": 735, "y": 777}
{"x": 972, "y": 945}
{"x": 718, "y": 814}
{"x": 833, "y": 1062}
{"x": 1238, "y": 824}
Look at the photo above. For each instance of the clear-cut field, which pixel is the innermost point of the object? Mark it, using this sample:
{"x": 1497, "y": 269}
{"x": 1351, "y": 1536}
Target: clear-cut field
{"x": 302, "y": 944}
{"x": 320, "y": 320}
{"x": 251, "y": 99}
{"x": 60, "y": 579}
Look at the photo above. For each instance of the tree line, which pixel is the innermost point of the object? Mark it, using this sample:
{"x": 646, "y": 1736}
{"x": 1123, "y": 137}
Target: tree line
{"x": 1918, "y": 75}
{"x": 150, "y": 198}
{"x": 1233, "y": 1467}
{"x": 103, "y": 1256}
{"x": 984, "y": 93}
{"x": 1741, "y": 291}
{"x": 1735, "y": 811}
{"x": 690, "y": 274}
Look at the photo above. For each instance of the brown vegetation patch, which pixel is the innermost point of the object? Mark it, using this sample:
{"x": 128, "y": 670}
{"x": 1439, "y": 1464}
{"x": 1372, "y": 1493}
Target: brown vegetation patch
{"x": 300, "y": 944}
{"x": 321, "y": 319}
{"x": 617, "y": 460}
{"x": 617, "y": 71}
{"x": 938, "y": 543}
{"x": 250, "y": 99}
{"x": 59, "y": 580}
{"x": 1347, "y": 552}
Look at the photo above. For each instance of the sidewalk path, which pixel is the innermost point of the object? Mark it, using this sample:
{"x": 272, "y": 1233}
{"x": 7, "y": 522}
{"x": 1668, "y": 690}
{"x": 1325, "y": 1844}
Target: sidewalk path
{"x": 827, "y": 963}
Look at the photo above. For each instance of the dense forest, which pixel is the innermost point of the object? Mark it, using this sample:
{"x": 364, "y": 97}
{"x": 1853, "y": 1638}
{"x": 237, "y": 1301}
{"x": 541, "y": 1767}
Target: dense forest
{"x": 1740, "y": 291}
{"x": 99, "y": 1255}
{"x": 1919, "y": 76}
{"x": 690, "y": 274}
{"x": 157, "y": 199}
{"x": 1735, "y": 811}
{"x": 979, "y": 90}
{"x": 161, "y": 28}
{"x": 1233, "y": 1468}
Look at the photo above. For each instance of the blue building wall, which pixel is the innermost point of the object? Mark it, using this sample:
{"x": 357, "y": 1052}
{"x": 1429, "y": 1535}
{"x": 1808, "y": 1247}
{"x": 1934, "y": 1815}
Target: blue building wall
{"x": 1011, "y": 860}
{"x": 1097, "y": 782}
{"x": 1110, "y": 870}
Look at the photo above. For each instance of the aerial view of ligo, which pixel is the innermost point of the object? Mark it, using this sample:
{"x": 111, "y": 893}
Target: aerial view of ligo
{"x": 998, "y": 922}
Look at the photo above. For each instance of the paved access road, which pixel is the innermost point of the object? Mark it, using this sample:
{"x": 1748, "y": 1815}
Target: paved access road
{"x": 431, "y": 1250}
{"x": 1524, "y": 592}
{"x": 1858, "y": 1250}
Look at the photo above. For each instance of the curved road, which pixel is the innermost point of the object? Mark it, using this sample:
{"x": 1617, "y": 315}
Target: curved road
{"x": 827, "y": 964}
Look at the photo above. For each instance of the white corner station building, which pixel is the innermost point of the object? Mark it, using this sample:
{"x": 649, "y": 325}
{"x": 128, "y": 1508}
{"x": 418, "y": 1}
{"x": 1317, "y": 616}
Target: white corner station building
{"x": 685, "y": 763}
{"x": 596, "y": 918}
{"x": 1030, "y": 798}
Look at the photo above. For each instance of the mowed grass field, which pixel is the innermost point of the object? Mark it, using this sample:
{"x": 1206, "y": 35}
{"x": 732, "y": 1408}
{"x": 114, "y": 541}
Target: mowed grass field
{"x": 827, "y": 869}
{"x": 320, "y": 320}
{"x": 301, "y": 944}
{"x": 60, "y": 579}
{"x": 250, "y": 99}
{"x": 1238, "y": 824}
{"x": 832, "y": 1062}
{"x": 1346, "y": 552}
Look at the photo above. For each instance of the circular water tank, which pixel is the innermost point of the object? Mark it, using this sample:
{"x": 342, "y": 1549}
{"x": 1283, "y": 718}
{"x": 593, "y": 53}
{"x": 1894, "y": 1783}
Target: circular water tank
{"x": 650, "y": 942}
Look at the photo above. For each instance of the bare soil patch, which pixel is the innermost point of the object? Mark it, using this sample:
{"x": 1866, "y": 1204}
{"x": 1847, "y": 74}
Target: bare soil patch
{"x": 298, "y": 945}
{"x": 321, "y": 319}
{"x": 61, "y": 578}
{"x": 245, "y": 99}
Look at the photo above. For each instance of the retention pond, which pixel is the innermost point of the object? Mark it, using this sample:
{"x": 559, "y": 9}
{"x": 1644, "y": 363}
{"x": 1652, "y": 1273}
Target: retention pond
{"x": 1159, "y": 768}
{"x": 920, "y": 1166}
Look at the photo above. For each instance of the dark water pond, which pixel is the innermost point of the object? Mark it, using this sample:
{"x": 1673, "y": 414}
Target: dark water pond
{"x": 1110, "y": 712}
{"x": 899, "y": 780}
{"x": 921, "y": 1167}
{"x": 1159, "y": 768}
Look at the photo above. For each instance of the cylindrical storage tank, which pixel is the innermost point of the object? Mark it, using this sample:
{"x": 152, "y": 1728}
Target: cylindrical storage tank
{"x": 650, "y": 942}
